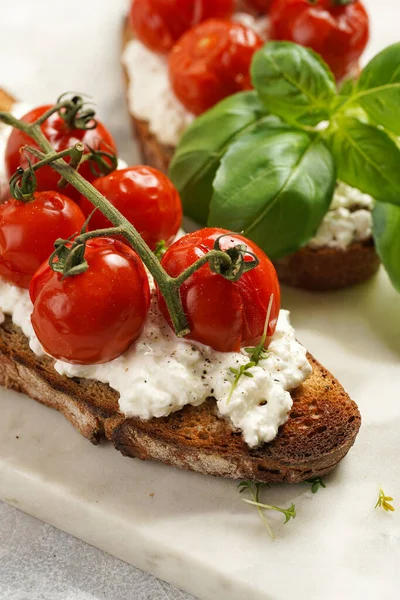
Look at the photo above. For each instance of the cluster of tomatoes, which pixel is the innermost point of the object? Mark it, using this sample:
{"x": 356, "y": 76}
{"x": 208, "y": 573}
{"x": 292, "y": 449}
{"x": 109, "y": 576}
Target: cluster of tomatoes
{"x": 210, "y": 54}
{"x": 94, "y": 316}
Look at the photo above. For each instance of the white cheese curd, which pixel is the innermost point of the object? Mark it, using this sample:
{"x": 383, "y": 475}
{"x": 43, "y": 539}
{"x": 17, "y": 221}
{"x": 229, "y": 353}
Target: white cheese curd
{"x": 15, "y": 301}
{"x": 159, "y": 373}
{"x": 150, "y": 95}
{"x": 18, "y": 110}
{"x": 348, "y": 220}
{"x": 121, "y": 164}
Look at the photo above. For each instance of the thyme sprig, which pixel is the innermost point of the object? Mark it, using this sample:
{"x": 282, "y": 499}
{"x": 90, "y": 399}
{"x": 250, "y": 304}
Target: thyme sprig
{"x": 316, "y": 483}
{"x": 384, "y": 501}
{"x": 256, "y": 354}
{"x": 254, "y": 490}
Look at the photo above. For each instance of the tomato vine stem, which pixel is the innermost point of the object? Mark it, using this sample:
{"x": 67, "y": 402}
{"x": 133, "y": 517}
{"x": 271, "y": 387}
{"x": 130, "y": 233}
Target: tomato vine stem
{"x": 168, "y": 286}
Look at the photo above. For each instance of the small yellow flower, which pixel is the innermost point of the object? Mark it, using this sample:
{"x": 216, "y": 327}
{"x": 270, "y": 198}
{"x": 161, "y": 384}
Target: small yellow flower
{"x": 384, "y": 501}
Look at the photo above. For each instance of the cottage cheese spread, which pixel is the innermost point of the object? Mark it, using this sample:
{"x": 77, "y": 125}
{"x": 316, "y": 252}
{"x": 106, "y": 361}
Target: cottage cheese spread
{"x": 150, "y": 95}
{"x": 18, "y": 110}
{"x": 348, "y": 220}
{"x": 159, "y": 373}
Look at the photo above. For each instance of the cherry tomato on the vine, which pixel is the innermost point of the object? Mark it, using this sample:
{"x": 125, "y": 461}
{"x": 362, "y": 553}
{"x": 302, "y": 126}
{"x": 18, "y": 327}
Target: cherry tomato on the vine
{"x": 146, "y": 197}
{"x": 223, "y": 314}
{"x": 212, "y": 61}
{"x": 160, "y": 23}
{"x": 61, "y": 136}
{"x": 28, "y": 231}
{"x": 339, "y": 32}
{"x": 95, "y": 316}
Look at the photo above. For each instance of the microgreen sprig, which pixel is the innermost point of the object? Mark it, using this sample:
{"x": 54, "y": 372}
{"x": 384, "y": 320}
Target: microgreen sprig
{"x": 316, "y": 483}
{"x": 384, "y": 501}
{"x": 254, "y": 490}
{"x": 242, "y": 370}
{"x": 256, "y": 354}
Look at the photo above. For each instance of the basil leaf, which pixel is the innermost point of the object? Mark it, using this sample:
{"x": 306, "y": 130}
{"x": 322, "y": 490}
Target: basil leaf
{"x": 200, "y": 149}
{"x": 378, "y": 89}
{"x": 366, "y": 158}
{"x": 293, "y": 82}
{"x": 275, "y": 185}
{"x": 386, "y": 231}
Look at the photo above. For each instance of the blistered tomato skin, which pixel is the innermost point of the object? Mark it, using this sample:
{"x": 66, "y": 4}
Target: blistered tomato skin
{"x": 61, "y": 137}
{"x": 160, "y": 23}
{"x": 339, "y": 33}
{"x": 212, "y": 61}
{"x": 28, "y": 232}
{"x": 146, "y": 197}
{"x": 93, "y": 317}
{"x": 223, "y": 314}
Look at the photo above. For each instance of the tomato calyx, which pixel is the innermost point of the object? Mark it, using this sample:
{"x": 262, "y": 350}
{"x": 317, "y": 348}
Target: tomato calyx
{"x": 69, "y": 261}
{"x": 74, "y": 112}
{"x": 101, "y": 162}
{"x": 68, "y": 257}
{"x": 23, "y": 184}
{"x": 237, "y": 265}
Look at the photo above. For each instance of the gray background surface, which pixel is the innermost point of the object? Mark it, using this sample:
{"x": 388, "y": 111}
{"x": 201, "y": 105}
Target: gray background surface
{"x": 39, "y": 562}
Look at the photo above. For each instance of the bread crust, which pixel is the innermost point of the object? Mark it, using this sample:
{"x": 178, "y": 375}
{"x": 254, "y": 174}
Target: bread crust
{"x": 326, "y": 269}
{"x": 321, "y": 269}
{"x": 321, "y": 428}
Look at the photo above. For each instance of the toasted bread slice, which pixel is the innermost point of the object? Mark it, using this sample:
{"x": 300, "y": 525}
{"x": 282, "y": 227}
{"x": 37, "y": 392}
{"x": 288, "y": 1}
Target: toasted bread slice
{"x": 321, "y": 428}
{"x": 321, "y": 269}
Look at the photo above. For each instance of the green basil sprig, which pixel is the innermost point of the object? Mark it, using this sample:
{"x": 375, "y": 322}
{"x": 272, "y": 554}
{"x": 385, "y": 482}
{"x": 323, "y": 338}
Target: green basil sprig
{"x": 265, "y": 162}
{"x": 198, "y": 155}
{"x": 293, "y": 82}
{"x": 378, "y": 89}
{"x": 276, "y": 175}
{"x": 367, "y": 158}
{"x": 386, "y": 232}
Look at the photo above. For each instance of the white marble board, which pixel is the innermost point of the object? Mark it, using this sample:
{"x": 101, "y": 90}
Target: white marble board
{"x": 194, "y": 531}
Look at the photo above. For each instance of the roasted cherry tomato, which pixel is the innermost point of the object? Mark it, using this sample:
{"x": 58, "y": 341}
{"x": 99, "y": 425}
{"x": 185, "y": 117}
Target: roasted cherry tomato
{"x": 338, "y": 31}
{"x": 212, "y": 61}
{"x": 61, "y": 136}
{"x": 28, "y": 232}
{"x": 160, "y": 23}
{"x": 146, "y": 197}
{"x": 223, "y": 314}
{"x": 95, "y": 316}
{"x": 260, "y": 5}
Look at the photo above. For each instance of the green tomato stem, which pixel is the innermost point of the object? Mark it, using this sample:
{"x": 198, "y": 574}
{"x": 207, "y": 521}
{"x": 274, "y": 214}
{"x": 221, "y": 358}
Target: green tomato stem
{"x": 54, "y": 109}
{"x": 168, "y": 286}
{"x": 213, "y": 254}
{"x": 90, "y": 235}
{"x": 76, "y": 158}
